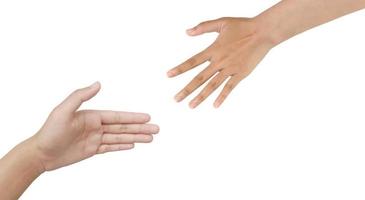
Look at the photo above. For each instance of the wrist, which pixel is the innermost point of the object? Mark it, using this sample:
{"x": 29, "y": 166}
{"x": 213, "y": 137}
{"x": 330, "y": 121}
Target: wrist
{"x": 34, "y": 155}
{"x": 268, "y": 30}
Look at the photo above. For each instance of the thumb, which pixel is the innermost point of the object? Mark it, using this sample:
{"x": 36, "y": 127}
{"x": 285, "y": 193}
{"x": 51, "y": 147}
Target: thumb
{"x": 206, "y": 27}
{"x": 75, "y": 99}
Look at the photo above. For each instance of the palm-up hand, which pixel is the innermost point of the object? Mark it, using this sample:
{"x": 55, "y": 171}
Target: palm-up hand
{"x": 239, "y": 47}
{"x": 69, "y": 136}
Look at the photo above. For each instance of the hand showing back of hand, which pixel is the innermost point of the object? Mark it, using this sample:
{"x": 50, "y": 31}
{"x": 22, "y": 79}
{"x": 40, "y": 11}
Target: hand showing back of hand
{"x": 240, "y": 46}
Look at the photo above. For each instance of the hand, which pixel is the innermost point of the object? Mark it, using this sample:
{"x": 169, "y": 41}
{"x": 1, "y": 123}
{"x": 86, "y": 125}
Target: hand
{"x": 69, "y": 136}
{"x": 240, "y": 46}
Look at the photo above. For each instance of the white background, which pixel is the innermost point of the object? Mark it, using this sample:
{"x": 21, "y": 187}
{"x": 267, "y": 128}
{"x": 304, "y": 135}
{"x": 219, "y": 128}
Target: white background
{"x": 294, "y": 129}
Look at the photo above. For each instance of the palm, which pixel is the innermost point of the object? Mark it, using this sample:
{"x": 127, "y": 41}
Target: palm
{"x": 86, "y": 133}
{"x": 71, "y": 139}
{"x": 69, "y": 136}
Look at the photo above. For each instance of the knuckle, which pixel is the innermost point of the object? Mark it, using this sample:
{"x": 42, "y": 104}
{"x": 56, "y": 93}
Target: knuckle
{"x": 105, "y": 129}
{"x": 103, "y": 139}
{"x": 100, "y": 150}
{"x": 77, "y": 93}
{"x": 230, "y": 86}
{"x": 105, "y": 148}
{"x": 213, "y": 85}
{"x": 225, "y": 72}
{"x": 117, "y": 117}
{"x": 204, "y": 53}
{"x": 191, "y": 61}
{"x": 201, "y": 24}
{"x": 222, "y": 97}
{"x": 200, "y": 97}
{"x": 186, "y": 91}
{"x": 178, "y": 70}
{"x": 140, "y": 129}
{"x": 120, "y": 138}
{"x": 200, "y": 78}
{"x": 122, "y": 128}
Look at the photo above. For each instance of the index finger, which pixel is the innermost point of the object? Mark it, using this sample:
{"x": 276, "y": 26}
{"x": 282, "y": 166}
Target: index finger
{"x": 120, "y": 117}
{"x": 189, "y": 64}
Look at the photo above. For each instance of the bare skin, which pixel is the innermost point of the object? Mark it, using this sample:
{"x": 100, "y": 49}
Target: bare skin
{"x": 243, "y": 42}
{"x": 69, "y": 136}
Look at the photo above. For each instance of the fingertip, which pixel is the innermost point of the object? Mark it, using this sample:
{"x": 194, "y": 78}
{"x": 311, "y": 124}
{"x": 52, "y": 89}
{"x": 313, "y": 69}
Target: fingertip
{"x": 95, "y": 87}
{"x": 193, "y": 104}
{"x": 171, "y": 73}
{"x": 147, "y": 117}
{"x": 96, "y": 84}
{"x": 191, "y": 31}
{"x": 217, "y": 104}
{"x": 178, "y": 97}
{"x": 149, "y": 139}
{"x": 156, "y": 129}
{"x": 144, "y": 138}
{"x": 126, "y": 146}
{"x": 142, "y": 118}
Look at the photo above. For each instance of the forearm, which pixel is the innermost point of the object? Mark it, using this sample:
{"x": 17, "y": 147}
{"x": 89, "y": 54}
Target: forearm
{"x": 18, "y": 169}
{"x": 291, "y": 17}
